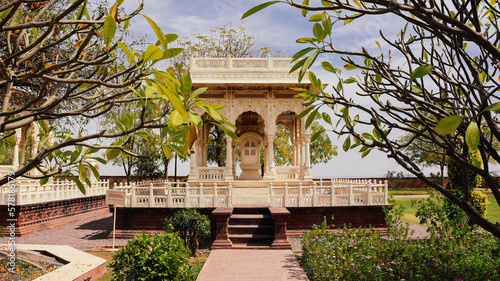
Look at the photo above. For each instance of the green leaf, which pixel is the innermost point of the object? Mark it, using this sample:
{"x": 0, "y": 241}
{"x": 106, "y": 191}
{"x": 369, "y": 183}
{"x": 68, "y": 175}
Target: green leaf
{"x": 307, "y": 64}
{"x": 109, "y": 29}
{"x": 198, "y": 92}
{"x": 317, "y": 134}
{"x": 83, "y": 86}
{"x": 316, "y": 17}
{"x": 100, "y": 160}
{"x": 258, "y": 8}
{"x": 79, "y": 184}
{"x": 417, "y": 89}
{"x": 170, "y": 53}
{"x": 196, "y": 119}
{"x": 347, "y": 144}
{"x": 82, "y": 171}
{"x": 305, "y": 112}
{"x": 421, "y": 71}
{"x": 167, "y": 152}
{"x": 171, "y": 37}
{"x": 493, "y": 107}
{"x": 127, "y": 51}
{"x": 153, "y": 52}
{"x": 449, "y": 124}
{"x": 318, "y": 32}
{"x": 368, "y": 136}
{"x": 366, "y": 152}
{"x": 186, "y": 84}
{"x": 297, "y": 65}
{"x": 142, "y": 134}
{"x": 311, "y": 117}
{"x": 112, "y": 153}
{"x": 303, "y": 40}
{"x": 230, "y": 133}
{"x": 350, "y": 67}
{"x": 175, "y": 120}
{"x": 94, "y": 171}
{"x": 304, "y": 11}
{"x": 472, "y": 136}
{"x": 174, "y": 99}
{"x": 158, "y": 32}
{"x": 43, "y": 181}
{"x": 327, "y": 118}
{"x": 301, "y": 53}
{"x": 328, "y": 66}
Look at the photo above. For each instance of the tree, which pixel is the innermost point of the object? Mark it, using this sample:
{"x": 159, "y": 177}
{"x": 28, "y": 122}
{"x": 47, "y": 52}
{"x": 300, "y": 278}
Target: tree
{"x": 59, "y": 62}
{"x": 424, "y": 153}
{"x": 445, "y": 92}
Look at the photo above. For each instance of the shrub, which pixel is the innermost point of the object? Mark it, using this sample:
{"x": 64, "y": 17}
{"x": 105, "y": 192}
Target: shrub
{"x": 364, "y": 254}
{"x": 191, "y": 226}
{"x": 152, "y": 257}
{"x": 480, "y": 202}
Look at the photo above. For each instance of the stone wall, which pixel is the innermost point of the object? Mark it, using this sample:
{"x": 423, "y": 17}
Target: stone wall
{"x": 130, "y": 221}
{"x": 38, "y": 217}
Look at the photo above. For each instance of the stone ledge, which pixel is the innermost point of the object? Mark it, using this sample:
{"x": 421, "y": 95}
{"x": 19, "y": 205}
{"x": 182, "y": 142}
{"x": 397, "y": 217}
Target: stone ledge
{"x": 81, "y": 266}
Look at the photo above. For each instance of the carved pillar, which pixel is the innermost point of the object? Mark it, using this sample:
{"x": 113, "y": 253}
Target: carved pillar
{"x": 280, "y": 217}
{"x": 270, "y": 158}
{"x": 307, "y": 173}
{"x": 35, "y": 131}
{"x": 221, "y": 217}
{"x": 193, "y": 162}
{"x": 266, "y": 163}
{"x": 229, "y": 159}
{"x": 15, "y": 158}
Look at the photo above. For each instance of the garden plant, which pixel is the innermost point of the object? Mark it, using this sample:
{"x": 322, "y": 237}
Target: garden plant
{"x": 453, "y": 251}
{"x": 151, "y": 258}
{"x": 191, "y": 226}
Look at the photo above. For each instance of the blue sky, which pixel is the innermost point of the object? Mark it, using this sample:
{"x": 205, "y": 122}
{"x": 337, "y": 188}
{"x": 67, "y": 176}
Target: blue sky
{"x": 278, "y": 26}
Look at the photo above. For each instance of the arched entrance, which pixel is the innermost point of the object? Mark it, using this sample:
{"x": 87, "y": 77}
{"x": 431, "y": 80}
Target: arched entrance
{"x": 250, "y": 130}
{"x": 250, "y": 147}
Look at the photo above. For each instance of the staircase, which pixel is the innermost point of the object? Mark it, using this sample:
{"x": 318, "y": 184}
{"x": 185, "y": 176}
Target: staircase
{"x": 251, "y": 227}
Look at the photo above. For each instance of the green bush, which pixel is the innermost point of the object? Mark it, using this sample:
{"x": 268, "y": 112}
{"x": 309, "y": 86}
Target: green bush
{"x": 152, "y": 257}
{"x": 191, "y": 226}
{"x": 464, "y": 253}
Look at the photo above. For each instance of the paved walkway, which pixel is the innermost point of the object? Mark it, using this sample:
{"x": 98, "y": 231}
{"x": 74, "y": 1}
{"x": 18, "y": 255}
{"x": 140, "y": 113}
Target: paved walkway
{"x": 261, "y": 265}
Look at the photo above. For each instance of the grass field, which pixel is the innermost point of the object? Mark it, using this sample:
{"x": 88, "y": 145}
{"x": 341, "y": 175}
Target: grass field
{"x": 409, "y": 192}
{"x": 197, "y": 262}
{"x": 493, "y": 213}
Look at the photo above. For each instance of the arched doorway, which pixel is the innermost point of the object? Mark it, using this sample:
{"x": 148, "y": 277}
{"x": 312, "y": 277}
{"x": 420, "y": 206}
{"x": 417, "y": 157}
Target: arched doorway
{"x": 250, "y": 130}
{"x": 250, "y": 147}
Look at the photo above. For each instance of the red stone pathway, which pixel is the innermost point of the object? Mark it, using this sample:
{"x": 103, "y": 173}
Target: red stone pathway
{"x": 261, "y": 265}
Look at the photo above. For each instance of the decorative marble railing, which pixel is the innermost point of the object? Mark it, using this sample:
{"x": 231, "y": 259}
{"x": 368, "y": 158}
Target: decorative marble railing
{"x": 332, "y": 193}
{"x": 5, "y": 169}
{"x": 211, "y": 173}
{"x": 240, "y": 63}
{"x": 28, "y": 191}
{"x": 164, "y": 194}
{"x": 287, "y": 172}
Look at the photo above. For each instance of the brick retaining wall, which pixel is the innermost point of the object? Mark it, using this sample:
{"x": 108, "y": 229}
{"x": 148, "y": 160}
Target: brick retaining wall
{"x": 42, "y": 216}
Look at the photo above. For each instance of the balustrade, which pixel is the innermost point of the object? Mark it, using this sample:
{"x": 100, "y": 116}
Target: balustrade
{"x": 31, "y": 192}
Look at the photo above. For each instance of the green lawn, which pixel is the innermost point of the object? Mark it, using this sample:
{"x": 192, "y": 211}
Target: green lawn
{"x": 493, "y": 213}
{"x": 409, "y": 192}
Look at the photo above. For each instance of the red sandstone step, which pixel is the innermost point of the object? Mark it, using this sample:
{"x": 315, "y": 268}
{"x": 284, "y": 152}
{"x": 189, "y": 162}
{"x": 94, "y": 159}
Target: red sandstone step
{"x": 251, "y": 229}
{"x": 265, "y": 239}
{"x": 261, "y": 246}
{"x": 239, "y": 219}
